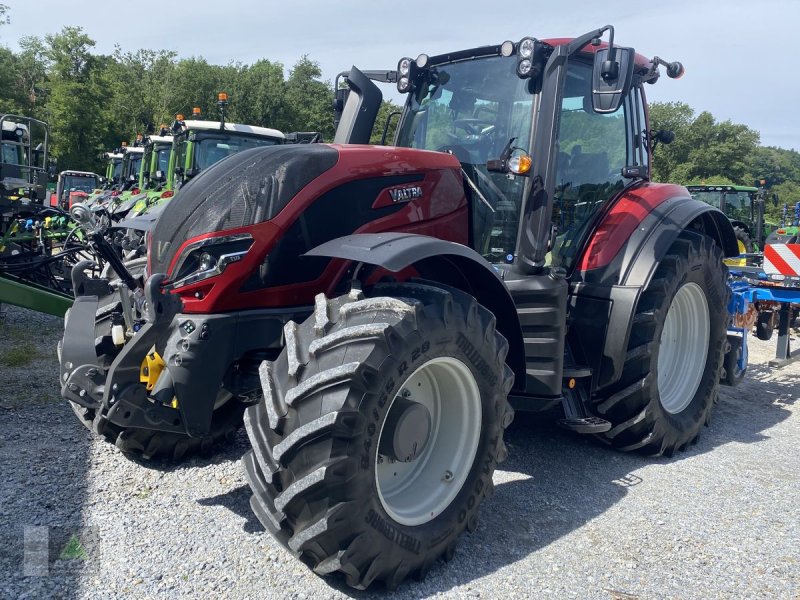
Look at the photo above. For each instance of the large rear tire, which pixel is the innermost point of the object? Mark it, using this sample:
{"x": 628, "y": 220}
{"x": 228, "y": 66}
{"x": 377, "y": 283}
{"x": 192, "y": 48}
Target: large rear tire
{"x": 348, "y": 470}
{"x": 675, "y": 353}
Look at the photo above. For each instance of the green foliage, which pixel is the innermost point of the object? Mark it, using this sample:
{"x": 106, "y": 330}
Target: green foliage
{"x": 19, "y": 355}
{"x": 703, "y": 148}
{"x": 92, "y": 102}
{"x": 709, "y": 152}
{"x": 386, "y": 109}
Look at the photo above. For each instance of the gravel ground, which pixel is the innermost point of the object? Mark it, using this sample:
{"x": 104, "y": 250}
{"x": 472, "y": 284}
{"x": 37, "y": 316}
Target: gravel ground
{"x": 569, "y": 519}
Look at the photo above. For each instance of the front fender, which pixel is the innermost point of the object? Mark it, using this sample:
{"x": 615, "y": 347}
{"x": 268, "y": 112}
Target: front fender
{"x": 445, "y": 262}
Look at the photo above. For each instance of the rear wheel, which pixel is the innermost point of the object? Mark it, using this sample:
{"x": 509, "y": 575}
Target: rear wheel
{"x": 675, "y": 353}
{"x": 379, "y": 431}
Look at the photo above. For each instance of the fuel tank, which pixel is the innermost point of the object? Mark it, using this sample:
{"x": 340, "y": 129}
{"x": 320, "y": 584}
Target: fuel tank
{"x": 293, "y": 198}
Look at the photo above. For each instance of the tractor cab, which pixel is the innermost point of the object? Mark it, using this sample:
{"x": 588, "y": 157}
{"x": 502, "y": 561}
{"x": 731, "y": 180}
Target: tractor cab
{"x": 131, "y": 172}
{"x": 158, "y": 150}
{"x": 23, "y": 158}
{"x": 74, "y": 186}
{"x": 744, "y": 207}
{"x": 542, "y": 151}
{"x": 199, "y": 144}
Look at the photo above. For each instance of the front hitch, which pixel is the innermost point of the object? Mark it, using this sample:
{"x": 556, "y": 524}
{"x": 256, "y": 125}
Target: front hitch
{"x": 116, "y": 390}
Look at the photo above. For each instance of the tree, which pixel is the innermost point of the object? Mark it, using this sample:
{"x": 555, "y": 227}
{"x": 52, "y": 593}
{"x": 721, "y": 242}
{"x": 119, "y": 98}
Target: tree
{"x": 75, "y": 103}
{"x": 308, "y": 100}
{"x": 386, "y": 109}
{"x": 703, "y": 148}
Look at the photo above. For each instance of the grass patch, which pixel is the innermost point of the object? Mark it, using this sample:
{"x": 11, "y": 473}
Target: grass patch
{"x": 73, "y": 550}
{"x": 19, "y": 356}
{"x": 14, "y": 333}
{"x": 144, "y": 493}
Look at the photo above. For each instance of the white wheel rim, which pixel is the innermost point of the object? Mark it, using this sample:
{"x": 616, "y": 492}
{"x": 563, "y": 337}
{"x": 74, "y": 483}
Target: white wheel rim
{"x": 684, "y": 348}
{"x": 416, "y": 492}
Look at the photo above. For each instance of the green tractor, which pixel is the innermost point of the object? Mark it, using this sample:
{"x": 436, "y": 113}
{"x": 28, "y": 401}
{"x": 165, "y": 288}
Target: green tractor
{"x": 744, "y": 206}
{"x": 193, "y": 146}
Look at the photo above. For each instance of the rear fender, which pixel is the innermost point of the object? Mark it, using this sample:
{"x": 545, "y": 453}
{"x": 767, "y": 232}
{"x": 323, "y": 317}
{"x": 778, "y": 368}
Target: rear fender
{"x": 631, "y": 271}
{"x": 444, "y": 262}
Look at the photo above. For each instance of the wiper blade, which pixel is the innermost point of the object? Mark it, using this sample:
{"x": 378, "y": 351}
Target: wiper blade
{"x": 475, "y": 189}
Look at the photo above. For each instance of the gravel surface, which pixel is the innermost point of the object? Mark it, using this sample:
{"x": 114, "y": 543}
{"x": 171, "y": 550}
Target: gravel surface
{"x": 569, "y": 519}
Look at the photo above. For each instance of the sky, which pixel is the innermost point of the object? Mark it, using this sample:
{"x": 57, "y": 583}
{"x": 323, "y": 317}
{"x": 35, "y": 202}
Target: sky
{"x": 737, "y": 53}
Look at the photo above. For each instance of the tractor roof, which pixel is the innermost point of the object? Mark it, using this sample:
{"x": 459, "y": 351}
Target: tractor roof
{"x": 78, "y": 173}
{"x": 11, "y": 126}
{"x": 112, "y": 155}
{"x": 721, "y": 188}
{"x": 134, "y": 149}
{"x": 251, "y": 129}
{"x": 161, "y": 138}
{"x": 640, "y": 61}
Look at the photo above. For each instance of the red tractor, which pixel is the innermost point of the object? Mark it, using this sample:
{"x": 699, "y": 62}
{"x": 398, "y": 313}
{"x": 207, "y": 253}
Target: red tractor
{"x": 374, "y": 310}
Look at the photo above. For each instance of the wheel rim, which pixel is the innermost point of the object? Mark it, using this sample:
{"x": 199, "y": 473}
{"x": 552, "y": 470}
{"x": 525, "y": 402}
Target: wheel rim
{"x": 416, "y": 492}
{"x": 684, "y": 348}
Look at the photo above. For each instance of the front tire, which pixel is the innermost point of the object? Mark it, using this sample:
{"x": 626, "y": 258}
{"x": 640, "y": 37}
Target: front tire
{"x": 743, "y": 240}
{"x": 340, "y": 473}
{"x": 675, "y": 353}
{"x": 149, "y": 444}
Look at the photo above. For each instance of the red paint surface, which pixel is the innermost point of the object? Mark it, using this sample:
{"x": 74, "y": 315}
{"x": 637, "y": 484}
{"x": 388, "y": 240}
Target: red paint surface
{"x": 441, "y": 212}
{"x": 622, "y": 219}
{"x": 639, "y": 60}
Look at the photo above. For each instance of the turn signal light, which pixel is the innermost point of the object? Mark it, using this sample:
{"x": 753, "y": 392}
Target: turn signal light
{"x": 520, "y": 163}
{"x": 222, "y": 97}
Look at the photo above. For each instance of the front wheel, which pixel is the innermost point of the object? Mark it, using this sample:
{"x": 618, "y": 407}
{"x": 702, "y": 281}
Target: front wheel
{"x": 675, "y": 353}
{"x": 379, "y": 431}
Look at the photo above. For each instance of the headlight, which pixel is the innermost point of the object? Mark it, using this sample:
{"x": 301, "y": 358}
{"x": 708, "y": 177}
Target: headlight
{"x": 404, "y": 74}
{"x": 209, "y": 257}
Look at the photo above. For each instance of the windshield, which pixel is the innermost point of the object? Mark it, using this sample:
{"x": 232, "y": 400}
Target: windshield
{"x": 78, "y": 183}
{"x": 134, "y": 164}
{"x": 472, "y": 109}
{"x": 162, "y": 160}
{"x": 737, "y": 205}
{"x": 209, "y": 150}
{"x": 12, "y": 154}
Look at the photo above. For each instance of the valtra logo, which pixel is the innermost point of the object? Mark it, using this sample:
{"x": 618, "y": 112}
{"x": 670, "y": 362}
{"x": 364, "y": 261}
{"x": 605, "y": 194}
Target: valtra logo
{"x": 405, "y": 194}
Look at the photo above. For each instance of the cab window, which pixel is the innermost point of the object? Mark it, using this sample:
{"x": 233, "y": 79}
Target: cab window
{"x": 593, "y": 148}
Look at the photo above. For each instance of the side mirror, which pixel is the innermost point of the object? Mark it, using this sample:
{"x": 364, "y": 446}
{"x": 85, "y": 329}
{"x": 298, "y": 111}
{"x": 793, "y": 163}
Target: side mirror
{"x": 159, "y": 176}
{"x": 775, "y": 199}
{"x": 52, "y": 169}
{"x": 664, "y": 136}
{"x": 611, "y": 78}
{"x": 131, "y": 178}
{"x": 339, "y": 101}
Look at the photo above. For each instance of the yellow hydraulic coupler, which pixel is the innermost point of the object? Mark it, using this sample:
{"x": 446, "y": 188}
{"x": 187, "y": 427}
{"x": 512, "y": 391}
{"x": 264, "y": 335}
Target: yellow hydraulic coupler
{"x": 150, "y": 371}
